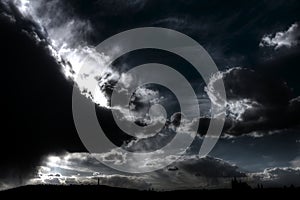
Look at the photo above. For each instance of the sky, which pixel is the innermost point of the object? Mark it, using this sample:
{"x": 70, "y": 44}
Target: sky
{"x": 255, "y": 45}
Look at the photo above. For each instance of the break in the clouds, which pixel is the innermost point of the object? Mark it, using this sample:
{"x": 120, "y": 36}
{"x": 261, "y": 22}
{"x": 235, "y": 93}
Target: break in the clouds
{"x": 288, "y": 38}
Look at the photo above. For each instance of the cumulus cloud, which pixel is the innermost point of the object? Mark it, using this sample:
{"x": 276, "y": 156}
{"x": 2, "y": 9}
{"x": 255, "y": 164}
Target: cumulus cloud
{"x": 255, "y": 102}
{"x": 256, "y": 105}
{"x": 140, "y": 103}
{"x": 288, "y": 38}
{"x": 114, "y": 156}
{"x": 278, "y": 177}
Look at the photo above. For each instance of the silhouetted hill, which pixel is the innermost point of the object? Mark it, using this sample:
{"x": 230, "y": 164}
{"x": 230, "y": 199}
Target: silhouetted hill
{"x": 67, "y": 189}
{"x": 98, "y": 189}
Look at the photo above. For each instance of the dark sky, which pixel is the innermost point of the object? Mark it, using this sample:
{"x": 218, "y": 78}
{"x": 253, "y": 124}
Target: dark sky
{"x": 255, "y": 44}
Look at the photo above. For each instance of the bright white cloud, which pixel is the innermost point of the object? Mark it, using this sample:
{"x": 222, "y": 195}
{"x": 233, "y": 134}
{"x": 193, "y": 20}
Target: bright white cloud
{"x": 288, "y": 38}
{"x": 236, "y": 108}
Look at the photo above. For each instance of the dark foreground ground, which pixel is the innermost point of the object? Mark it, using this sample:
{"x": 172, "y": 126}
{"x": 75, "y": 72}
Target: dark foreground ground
{"x": 97, "y": 189}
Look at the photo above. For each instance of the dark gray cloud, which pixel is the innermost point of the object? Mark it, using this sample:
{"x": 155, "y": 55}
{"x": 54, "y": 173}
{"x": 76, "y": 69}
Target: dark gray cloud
{"x": 206, "y": 167}
{"x": 11, "y": 14}
{"x": 192, "y": 172}
{"x": 39, "y": 110}
{"x": 256, "y": 102}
